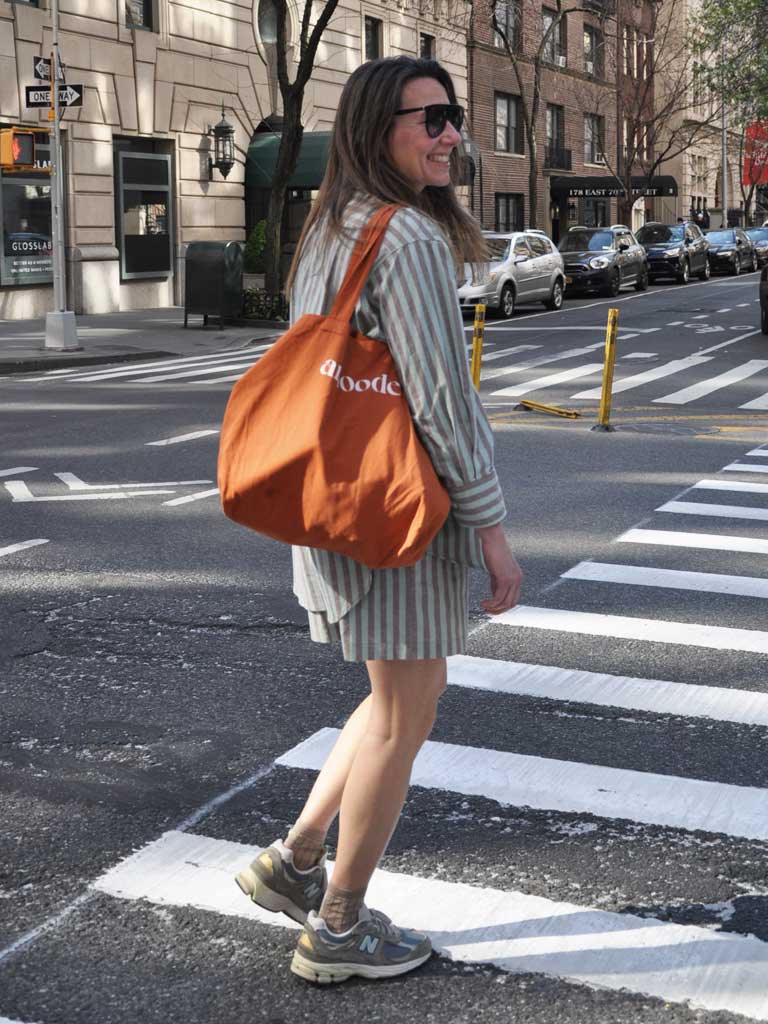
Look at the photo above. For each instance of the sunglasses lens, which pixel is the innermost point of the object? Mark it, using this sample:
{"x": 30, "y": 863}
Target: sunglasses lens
{"x": 440, "y": 113}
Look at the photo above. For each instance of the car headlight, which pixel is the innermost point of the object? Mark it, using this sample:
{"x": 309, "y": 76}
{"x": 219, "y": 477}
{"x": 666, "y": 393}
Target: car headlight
{"x": 672, "y": 253}
{"x": 494, "y": 276}
{"x": 599, "y": 262}
{"x": 725, "y": 252}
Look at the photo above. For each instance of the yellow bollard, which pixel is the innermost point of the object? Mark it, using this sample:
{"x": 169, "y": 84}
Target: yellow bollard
{"x": 603, "y": 419}
{"x": 477, "y": 343}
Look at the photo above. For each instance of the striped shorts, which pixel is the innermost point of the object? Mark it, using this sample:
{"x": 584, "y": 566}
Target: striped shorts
{"x": 412, "y": 613}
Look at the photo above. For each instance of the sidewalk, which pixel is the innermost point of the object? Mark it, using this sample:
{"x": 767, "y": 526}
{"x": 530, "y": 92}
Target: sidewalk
{"x": 122, "y": 337}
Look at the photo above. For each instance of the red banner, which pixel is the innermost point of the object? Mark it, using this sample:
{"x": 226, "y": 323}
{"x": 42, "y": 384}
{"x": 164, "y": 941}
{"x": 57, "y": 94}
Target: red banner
{"x": 755, "y": 170}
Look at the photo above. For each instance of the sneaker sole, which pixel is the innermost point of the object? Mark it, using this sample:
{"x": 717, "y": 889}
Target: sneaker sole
{"x": 334, "y": 974}
{"x": 260, "y": 894}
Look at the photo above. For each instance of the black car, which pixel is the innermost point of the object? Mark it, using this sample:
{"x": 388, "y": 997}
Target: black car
{"x": 675, "y": 250}
{"x": 603, "y": 259}
{"x": 764, "y": 300}
{"x": 730, "y": 250}
{"x": 759, "y": 238}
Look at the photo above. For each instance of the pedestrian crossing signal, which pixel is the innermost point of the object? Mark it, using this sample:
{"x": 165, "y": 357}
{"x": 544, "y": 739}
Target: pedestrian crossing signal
{"x": 17, "y": 149}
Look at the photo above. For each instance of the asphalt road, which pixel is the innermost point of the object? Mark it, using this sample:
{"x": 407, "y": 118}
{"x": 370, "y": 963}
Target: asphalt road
{"x": 586, "y": 836}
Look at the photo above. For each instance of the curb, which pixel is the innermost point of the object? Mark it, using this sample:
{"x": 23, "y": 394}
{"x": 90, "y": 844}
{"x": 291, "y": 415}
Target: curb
{"x": 30, "y": 364}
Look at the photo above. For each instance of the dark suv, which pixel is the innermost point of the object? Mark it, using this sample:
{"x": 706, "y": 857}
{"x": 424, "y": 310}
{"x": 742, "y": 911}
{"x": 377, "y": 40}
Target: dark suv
{"x": 730, "y": 250}
{"x": 675, "y": 250}
{"x": 603, "y": 259}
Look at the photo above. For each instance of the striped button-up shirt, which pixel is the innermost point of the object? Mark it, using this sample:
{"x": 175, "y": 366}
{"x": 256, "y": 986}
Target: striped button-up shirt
{"x": 410, "y": 302}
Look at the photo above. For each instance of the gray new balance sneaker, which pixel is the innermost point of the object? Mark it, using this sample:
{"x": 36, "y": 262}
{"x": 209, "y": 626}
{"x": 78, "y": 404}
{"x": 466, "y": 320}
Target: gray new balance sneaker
{"x": 373, "y": 948}
{"x": 275, "y": 884}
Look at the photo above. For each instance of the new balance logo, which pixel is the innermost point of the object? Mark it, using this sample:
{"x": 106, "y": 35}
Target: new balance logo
{"x": 369, "y": 944}
{"x": 311, "y": 890}
{"x": 382, "y": 385}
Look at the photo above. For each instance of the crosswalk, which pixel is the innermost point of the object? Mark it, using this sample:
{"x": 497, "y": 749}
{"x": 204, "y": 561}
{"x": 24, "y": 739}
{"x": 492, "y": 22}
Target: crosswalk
{"x": 526, "y": 370}
{"x": 577, "y": 940}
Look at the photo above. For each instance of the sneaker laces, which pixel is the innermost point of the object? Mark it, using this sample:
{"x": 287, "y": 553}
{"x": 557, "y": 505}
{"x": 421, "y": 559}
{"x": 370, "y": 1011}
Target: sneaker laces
{"x": 385, "y": 926}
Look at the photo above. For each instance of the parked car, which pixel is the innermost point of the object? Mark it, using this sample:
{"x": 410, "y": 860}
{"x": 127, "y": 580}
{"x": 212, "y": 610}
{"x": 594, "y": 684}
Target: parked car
{"x": 730, "y": 250}
{"x": 764, "y": 299}
{"x": 675, "y": 250}
{"x": 603, "y": 259}
{"x": 759, "y": 238}
{"x": 524, "y": 267}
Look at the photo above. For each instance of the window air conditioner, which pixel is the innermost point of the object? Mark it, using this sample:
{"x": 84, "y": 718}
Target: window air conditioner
{"x": 600, "y": 158}
{"x": 589, "y": 67}
{"x": 560, "y": 60}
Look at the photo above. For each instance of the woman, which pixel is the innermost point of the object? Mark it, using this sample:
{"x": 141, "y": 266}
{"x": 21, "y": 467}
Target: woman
{"x": 394, "y": 141}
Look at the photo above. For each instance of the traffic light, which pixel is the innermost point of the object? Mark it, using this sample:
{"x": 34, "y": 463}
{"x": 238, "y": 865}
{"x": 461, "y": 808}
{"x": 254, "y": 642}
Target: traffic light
{"x": 17, "y": 149}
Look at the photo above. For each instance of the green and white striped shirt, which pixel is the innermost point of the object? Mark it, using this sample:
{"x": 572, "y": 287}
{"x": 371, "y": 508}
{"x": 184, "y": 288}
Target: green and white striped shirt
{"x": 410, "y": 302}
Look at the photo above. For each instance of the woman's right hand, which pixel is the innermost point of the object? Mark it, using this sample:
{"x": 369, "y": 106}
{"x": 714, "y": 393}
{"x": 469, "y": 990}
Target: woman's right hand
{"x": 506, "y": 576}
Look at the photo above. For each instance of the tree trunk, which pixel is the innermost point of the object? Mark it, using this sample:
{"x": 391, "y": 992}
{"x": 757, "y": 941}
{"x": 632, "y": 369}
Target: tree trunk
{"x": 287, "y": 158}
{"x": 533, "y": 180}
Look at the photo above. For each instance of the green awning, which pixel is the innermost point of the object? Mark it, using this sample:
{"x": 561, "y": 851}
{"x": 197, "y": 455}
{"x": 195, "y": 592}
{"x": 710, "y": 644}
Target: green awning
{"x": 262, "y": 156}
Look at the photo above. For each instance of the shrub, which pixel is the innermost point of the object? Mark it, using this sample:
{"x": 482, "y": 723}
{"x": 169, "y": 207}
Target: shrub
{"x": 253, "y": 257}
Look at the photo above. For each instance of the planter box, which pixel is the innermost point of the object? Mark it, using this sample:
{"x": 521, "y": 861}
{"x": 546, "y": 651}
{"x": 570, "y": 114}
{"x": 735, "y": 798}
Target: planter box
{"x": 253, "y": 281}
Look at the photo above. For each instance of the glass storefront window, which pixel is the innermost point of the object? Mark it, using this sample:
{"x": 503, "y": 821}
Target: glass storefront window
{"x": 25, "y": 223}
{"x": 144, "y": 210}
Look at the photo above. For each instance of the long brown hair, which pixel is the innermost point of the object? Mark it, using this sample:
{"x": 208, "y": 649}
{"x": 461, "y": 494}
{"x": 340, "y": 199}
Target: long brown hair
{"x": 358, "y": 158}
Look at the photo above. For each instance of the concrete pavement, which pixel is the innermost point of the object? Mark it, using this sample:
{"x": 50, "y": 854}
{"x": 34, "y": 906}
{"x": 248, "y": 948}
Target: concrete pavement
{"x": 122, "y": 337}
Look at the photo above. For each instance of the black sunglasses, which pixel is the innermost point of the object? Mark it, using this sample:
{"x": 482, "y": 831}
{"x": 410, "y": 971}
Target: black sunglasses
{"x": 436, "y": 115}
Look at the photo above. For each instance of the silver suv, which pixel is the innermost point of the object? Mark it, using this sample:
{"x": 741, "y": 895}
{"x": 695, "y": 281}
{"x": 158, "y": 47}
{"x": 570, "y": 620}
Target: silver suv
{"x": 525, "y": 267}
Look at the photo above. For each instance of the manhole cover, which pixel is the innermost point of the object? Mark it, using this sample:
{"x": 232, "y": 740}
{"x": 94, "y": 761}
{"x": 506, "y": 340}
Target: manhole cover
{"x": 666, "y": 428}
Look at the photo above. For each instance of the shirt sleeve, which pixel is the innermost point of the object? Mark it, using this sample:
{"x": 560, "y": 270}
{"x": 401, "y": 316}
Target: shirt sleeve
{"x": 415, "y": 289}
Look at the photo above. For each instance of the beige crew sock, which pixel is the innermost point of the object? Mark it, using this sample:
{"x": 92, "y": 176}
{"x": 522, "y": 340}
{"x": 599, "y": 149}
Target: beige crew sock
{"x": 340, "y": 907}
{"x": 307, "y": 845}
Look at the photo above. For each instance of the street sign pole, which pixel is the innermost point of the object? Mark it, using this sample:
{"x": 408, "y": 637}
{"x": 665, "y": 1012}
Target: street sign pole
{"x": 60, "y": 325}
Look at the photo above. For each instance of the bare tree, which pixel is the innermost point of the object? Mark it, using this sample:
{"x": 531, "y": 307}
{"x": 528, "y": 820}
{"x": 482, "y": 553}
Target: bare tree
{"x": 504, "y": 17}
{"x": 663, "y": 106}
{"x": 292, "y": 93}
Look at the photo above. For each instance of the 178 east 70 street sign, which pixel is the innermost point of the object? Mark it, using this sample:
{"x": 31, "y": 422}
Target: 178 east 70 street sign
{"x": 40, "y": 96}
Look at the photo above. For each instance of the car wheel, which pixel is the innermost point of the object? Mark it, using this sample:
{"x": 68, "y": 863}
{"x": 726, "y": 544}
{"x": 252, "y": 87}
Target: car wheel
{"x": 736, "y": 266}
{"x": 641, "y": 284}
{"x": 555, "y": 300}
{"x": 764, "y": 319}
{"x": 507, "y": 302}
{"x": 613, "y": 287}
{"x": 705, "y": 274}
{"x": 684, "y": 273}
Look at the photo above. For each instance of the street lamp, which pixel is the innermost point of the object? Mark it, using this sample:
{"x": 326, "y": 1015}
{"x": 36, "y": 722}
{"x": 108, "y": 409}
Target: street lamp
{"x": 223, "y": 146}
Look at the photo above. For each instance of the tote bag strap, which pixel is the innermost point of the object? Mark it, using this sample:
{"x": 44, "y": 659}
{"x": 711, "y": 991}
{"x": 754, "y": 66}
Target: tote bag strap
{"x": 361, "y": 263}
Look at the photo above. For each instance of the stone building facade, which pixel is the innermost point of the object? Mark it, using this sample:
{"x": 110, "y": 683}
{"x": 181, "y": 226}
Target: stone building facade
{"x": 157, "y": 74}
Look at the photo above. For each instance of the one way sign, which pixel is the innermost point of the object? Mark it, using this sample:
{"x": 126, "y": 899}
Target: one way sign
{"x": 41, "y": 68}
{"x": 69, "y": 96}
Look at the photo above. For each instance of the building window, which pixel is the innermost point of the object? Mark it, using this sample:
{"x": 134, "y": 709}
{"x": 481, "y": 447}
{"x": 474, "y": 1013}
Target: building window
{"x": 25, "y": 222}
{"x": 593, "y": 51}
{"x": 594, "y": 135}
{"x": 426, "y": 46}
{"x": 144, "y": 232}
{"x": 508, "y": 16}
{"x": 555, "y": 50}
{"x": 509, "y": 124}
{"x": 595, "y": 214}
{"x": 372, "y": 38}
{"x": 629, "y": 51}
{"x": 139, "y": 14}
{"x": 555, "y": 154}
{"x": 509, "y": 211}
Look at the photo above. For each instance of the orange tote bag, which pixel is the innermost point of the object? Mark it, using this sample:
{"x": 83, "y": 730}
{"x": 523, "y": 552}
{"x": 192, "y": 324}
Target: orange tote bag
{"x": 318, "y": 447}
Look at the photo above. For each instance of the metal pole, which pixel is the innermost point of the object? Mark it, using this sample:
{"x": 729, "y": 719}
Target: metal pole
{"x": 603, "y": 422}
{"x": 724, "y": 140}
{"x": 477, "y": 344}
{"x": 60, "y": 326}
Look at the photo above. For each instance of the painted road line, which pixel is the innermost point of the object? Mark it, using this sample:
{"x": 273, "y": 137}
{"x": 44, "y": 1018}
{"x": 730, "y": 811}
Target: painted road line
{"x": 745, "y": 707}
{"x": 11, "y": 549}
{"x": 219, "y": 380}
{"x": 508, "y": 352}
{"x": 625, "y": 627}
{"x": 638, "y": 379}
{"x": 700, "y": 541}
{"x": 731, "y": 485}
{"x": 668, "y": 579}
{"x": 724, "y": 344}
{"x": 530, "y": 364}
{"x": 543, "y": 783}
{"x": 121, "y": 370}
{"x": 757, "y": 403}
{"x": 242, "y": 363}
{"x": 513, "y": 931}
{"x": 192, "y": 497}
{"x": 182, "y": 437}
{"x": 744, "y": 467}
{"x": 640, "y": 355}
{"x": 20, "y": 492}
{"x": 696, "y": 508}
{"x": 701, "y": 316}
{"x": 549, "y": 380}
{"x": 17, "y": 470}
{"x": 759, "y": 451}
{"x": 706, "y": 387}
{"x": 675, "y": 323}
{"x": 741, "y": 305}
{"x": 74, "y": 483}
{"x": 726, "y": 310}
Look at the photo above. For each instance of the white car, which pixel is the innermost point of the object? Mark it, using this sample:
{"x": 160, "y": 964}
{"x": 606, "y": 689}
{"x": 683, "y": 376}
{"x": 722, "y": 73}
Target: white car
{"x": 525, "y": 266}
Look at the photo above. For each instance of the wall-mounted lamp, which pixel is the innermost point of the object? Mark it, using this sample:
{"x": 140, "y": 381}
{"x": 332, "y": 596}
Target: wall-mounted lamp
{"x": 223, "y": 146}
